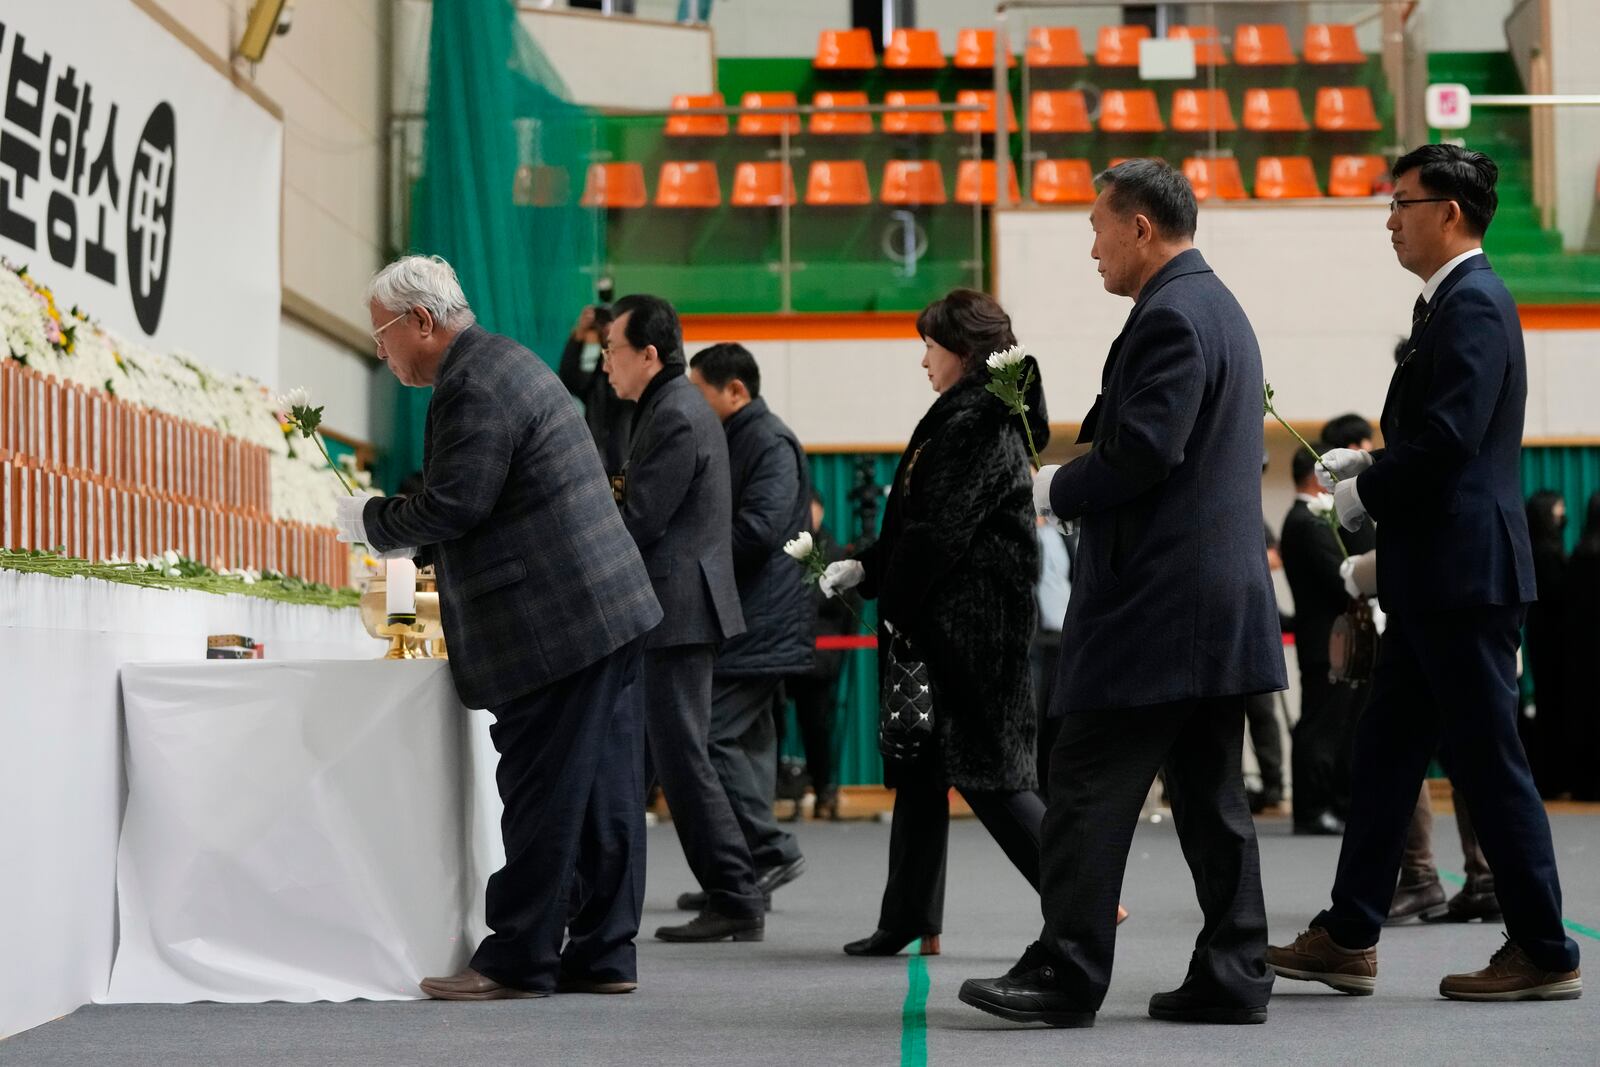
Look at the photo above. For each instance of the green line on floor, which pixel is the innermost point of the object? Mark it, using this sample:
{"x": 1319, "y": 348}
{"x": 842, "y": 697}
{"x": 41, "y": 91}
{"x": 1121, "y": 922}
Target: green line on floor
{"x": 1578, "y": 928}
{"x": 914, "y": 1013}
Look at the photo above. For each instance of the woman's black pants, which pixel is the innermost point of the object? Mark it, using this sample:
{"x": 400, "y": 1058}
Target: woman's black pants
{"x": 913, "y": 901}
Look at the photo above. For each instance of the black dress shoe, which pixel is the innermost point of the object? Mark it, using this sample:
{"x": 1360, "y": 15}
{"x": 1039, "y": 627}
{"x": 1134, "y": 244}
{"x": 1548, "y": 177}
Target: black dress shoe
{"x": 1181, "y": 1006}
{"x": 1415, "y": 899}
{"x": 883, "y": 943}
{"x": 700, "y": 900}
{"x": 711, "y": 926}
{"x": 1262, "y": 799}
{"x": 1466, "y": 906}
{"x": 1031, "y": 992}
{"x": 769, "y": 879}
{"x": 1323, "y": 823}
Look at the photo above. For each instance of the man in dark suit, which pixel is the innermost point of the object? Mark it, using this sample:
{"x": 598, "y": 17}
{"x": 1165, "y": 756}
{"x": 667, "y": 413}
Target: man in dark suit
{"x": 771, "y": 495}
{"x": 1455, "y": 572}
{"x": 546, "y": 602}
{"x": 609, "y": 418}
{"x": 676, "y": 500}
{"x": 1172, "y": 624}
{"x": 1311, "y": 559}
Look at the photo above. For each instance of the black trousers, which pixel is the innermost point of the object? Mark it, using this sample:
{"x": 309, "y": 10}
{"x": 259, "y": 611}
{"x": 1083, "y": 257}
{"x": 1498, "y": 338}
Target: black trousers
{"x": 1322, "y": 740}
{"x": 1262, "y": 712}
{"x": 744, "y": 752}
{"x": 816, "y": 704}
{"x": 1101, "y": 769}
{"x": 1044, "y": 655}
{"x": 677, "y": 717}
{"x": 913, "y": 899}
{"x": 571, "y": 777}
{"x": 1450, "y": 677}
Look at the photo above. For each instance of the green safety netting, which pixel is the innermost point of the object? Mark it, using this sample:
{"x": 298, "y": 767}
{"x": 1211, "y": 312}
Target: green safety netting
{"x": 504, "y": 156}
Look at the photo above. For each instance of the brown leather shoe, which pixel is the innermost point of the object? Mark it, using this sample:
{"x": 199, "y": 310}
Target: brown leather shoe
{"x": 468, "y": 984}
{"x": 582, "y": 984}
{"x": 1511, "y": 975}
{"x": 1466, "y": 906}
{"x": 1420, "y": 899}
{"x": 1316, "y": 957}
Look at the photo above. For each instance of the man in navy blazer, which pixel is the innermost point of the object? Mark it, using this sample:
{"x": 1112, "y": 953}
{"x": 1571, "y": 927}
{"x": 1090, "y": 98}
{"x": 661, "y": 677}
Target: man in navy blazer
{"x": 1455, "y": 574}
{"x": 1173, "y": 623}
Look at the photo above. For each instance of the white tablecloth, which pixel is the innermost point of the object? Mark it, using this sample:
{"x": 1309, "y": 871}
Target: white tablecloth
{"x": 298, "y": 831}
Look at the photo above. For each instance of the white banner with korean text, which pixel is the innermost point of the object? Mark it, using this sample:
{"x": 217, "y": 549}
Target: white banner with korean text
{"x": 139, "y": 183}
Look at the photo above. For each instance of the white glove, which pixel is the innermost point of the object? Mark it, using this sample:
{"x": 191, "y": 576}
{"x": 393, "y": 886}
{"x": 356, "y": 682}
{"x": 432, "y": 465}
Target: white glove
{"x": 396, "y": 553}
{"x": 1345, "y": 463}
{"x": 1041, "y": 489}
{"x": 1347, "y": 502}
{"x": 1360, "y": 574}
{"x": 845, "y": 574}
{"x": 348, "y": 518}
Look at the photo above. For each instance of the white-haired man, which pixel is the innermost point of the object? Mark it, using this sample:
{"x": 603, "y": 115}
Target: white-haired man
{"x": 546, "y": 602}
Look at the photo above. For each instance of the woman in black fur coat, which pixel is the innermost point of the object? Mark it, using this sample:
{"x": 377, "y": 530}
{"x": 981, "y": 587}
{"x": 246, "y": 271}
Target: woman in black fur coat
{"x": 954, "y": 570}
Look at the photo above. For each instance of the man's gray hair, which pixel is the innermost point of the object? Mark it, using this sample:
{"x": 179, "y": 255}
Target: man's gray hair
{"x": 423, "y": 281}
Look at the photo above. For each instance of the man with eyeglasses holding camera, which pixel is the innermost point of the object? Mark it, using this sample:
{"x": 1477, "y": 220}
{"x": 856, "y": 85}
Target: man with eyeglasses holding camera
{"x": 1455, "y": 571}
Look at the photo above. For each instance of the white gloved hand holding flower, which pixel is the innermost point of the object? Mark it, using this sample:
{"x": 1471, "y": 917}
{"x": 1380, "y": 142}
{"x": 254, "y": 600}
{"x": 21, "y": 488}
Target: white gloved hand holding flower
{"x": 840, "y": 576}
{"x": 1341, "y": 465}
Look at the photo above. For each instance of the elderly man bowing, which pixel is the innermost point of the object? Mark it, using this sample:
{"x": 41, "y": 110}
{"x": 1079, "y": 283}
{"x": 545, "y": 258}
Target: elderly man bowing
{"x": 1173, "y": 620}
{"x": 546, "y": 602}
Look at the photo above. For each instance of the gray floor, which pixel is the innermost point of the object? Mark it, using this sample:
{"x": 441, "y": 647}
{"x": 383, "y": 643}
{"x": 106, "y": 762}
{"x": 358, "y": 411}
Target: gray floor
{"x": 796, "y": 999}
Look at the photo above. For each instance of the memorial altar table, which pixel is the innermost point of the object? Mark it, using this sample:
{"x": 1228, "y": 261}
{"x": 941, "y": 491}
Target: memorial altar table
{"x": 297, "y": 831}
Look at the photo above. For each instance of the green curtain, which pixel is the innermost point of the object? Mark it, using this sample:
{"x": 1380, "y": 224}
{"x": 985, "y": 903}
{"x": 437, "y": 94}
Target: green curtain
{"x": 504, "y": 159}
{"x": 1571, "y": 470}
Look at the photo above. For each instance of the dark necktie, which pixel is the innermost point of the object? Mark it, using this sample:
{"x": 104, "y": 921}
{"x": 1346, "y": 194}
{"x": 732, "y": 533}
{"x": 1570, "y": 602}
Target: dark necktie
{"x": 1419, "y": 311}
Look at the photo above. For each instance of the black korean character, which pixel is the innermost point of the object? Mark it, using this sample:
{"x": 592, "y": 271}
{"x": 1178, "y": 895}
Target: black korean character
{"x": 68, "y": 131}
{"x": 24, "y": 113}
{"x": 98, "y": 258}
{"x": 152, "y": 189}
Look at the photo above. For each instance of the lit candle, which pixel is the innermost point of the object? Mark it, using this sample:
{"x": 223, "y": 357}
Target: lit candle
{"x": 400, "y": 587}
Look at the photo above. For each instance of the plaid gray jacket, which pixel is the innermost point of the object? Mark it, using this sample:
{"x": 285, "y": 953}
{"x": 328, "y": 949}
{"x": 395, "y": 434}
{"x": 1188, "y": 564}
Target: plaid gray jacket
{"x": 538, "y": 576}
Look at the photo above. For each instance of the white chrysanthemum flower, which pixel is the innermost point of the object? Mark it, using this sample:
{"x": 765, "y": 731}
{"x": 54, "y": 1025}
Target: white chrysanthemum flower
{"x": 1008, "y": 358}
{"x": 294, "y": 398}
{"x": 171, "y": 557}
{"x": 801, "y": 547}
{"x": 1321, "y": 505}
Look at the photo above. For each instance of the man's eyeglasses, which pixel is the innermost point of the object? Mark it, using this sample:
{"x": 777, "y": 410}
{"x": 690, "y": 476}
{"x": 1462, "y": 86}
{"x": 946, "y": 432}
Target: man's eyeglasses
{"x": 1396, "y": 205}
{"x": 377, "y": 335}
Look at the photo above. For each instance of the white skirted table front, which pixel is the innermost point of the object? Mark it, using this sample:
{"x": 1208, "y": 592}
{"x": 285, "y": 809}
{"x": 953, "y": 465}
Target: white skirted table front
{"x": 299, "y": 831}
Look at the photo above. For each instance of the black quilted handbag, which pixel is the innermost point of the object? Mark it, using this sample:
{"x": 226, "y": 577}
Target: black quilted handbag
{"x": 905, "y": 705}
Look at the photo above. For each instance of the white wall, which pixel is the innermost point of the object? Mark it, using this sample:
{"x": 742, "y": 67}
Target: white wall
{"x": 1574, "y": 29}
{"x": 327, "y": 75}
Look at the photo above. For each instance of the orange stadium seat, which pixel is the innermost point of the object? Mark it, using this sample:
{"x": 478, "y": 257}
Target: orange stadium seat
{"x": 1058, "y": 111}
{"x": 1118, "y": 46}
{"x": 844, "y": 50}
{"x": 975, "y": 50}
{"x": 1118, "y": 160}
{"x": 1201, "y": 111}
{"x": 912, "y": 121}
{"x": 1328, "y": 45}
{"x": 823, "y": 122}
{"x": 1055, "y": 46}
{"x": 981, "y": 121}
{"x": 838, "y": 182}
{"x": 1063, "y": 181}
{"x": 1355, "y": 175}
{"x": 1130, "y": 111}
{"x": 1346, "y": 108}
{"x": 697, "y": 125}
{"x": 766, "y": 184}
{"x": 1218, "y": 177}
{"x": 912, "y": 182}
{"x": 1262, "y": 45}
{"x": 688, "y": 183}
{"x": 913, "y": 50}
{"x": 1274, "y": 110}
{"x": 614, "y": 185}
{"x": 767, "y": 125}
{"x": 975, "y": 182}
{"x": 1285, "y": 177}
{"x": 1207, "y": 46}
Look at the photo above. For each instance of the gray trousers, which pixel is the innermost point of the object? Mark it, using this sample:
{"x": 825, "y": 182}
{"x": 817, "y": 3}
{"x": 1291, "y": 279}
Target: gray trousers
{"x": 744, "y": 752}
{"x": 677, "y": 724}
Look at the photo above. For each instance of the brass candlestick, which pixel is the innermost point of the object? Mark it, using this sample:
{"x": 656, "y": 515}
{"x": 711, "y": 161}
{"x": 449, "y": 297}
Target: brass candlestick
{"x": 419, "y": 636}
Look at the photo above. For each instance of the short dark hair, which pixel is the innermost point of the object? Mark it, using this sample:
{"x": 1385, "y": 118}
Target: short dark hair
{"x": 969, "y": 323}
{"x": 1346, "y": 431}
{"x": 1303, "y": 463}
{"x": 722, "y": 363}
{"x": 651, "y": 321}
{"x": 1465, "y": 176}
{"x": 1155, "y": 189}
